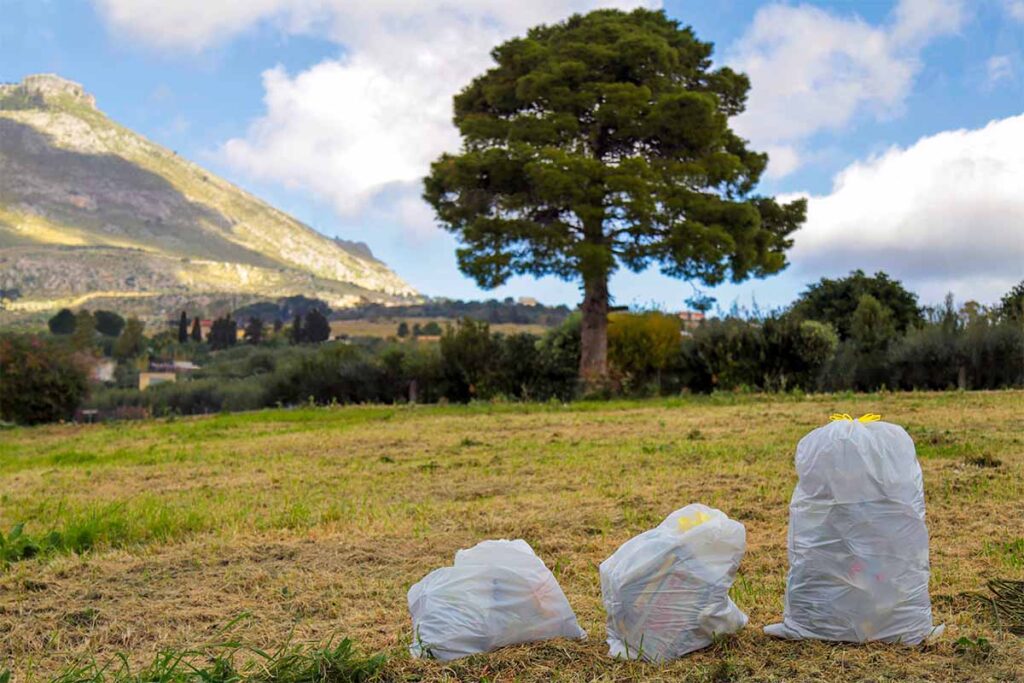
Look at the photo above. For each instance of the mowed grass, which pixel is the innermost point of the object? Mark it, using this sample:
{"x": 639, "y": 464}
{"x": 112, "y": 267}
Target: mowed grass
{"x": 314, "y": 523}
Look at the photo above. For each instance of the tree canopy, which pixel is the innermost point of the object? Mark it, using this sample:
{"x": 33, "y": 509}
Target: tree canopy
{"x": 62, "y": 323}
{"x": 108, "y": 323}
{"x": 600, "y": 142}
{"x": 836, "y": 302}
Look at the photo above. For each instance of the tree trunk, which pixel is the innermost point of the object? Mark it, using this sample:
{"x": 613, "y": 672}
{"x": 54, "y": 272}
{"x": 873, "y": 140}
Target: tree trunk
{"x": 594, "y": 333}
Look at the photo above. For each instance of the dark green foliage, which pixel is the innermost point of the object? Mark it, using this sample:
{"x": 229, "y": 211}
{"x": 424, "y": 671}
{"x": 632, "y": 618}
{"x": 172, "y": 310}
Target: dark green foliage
{"x": 490, "y": 311}
{"x": 1011, "y": 307}
{"x": 183, "y": 328}
{"x": 254, "y": 330}
{"x": 334, "y": 374}
{"x": 39, "y": 380}
{"x": 197, "y": 330}
{"x": 282, "y": 309}
{"x": 84, "y": 335}
{"x": 835, "y": 301}
{"x": 518, "y": 371}
{"x": 62, "y": 323}
{"x": 316, "y": 328}
{"x": 722, "y": 354}
{"x": 223, "y": 333}
{"x": 872, "y": 326}
{"x": 604, "y": 141}
{"x": 431, "y": 329}
{"x": 468, "y": 351}
{"x": 295, "y": 337}
{"x": 108, "y": 323}
{"x": 978, "y": 352}
{"x": 132, "y": 341}
{"x": 17, "y": 546}
{"x": 777, "y": 353}
{"x": 403, "y": 329}
{"x": 794, "y": 352}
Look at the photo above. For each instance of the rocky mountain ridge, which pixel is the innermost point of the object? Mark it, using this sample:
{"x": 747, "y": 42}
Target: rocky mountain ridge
{"x": 91, "y": 210}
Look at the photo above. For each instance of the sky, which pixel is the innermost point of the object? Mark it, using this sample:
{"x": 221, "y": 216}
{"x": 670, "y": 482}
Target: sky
{"x": 901, "y": 121}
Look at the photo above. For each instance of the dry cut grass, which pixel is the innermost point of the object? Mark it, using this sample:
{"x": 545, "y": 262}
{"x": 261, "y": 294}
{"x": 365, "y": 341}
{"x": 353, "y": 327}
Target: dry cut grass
{"x": 313, "y": 524}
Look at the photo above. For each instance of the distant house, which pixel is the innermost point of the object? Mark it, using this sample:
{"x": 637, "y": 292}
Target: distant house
{"x": 103, "y": 370}
{"x": 690, "y": 319}
{"x": 175, "y": 366}
{"x": 528, "y": 301}
{"x": 148, "y": 379}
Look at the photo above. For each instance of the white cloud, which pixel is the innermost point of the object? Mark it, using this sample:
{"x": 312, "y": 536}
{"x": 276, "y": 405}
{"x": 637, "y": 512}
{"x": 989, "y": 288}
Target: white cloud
{"x": 998, "y": 68}
{"x": 190, "y": 24}
{"x": 813, "y": 70}
{"x": 944, "y": 214}
{"x": 350, "y": 128}
{"x": 1015, "y": 8}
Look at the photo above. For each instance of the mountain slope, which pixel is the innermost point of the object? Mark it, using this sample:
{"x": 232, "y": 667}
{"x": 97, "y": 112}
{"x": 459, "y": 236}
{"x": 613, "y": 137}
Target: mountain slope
{"x": 89, "y": 209}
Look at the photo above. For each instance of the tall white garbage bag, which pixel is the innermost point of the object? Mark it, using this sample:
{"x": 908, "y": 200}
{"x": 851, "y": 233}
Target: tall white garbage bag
{"x": 666, "y": 591}
{"x": 858, "y": 544}
{"x": 498, "y": 593}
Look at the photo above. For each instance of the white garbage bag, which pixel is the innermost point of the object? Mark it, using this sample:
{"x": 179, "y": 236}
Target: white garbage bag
{"x": 666, "y": 591}
{"x": 498, "y": 593}
{"x": 858, "y": 544}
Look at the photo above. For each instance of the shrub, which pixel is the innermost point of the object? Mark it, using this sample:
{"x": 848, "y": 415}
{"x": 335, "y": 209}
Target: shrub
{"x": 62, "y": 323}
{"x": 517, "y": 369}
{"x": 468, "y": 351}
{"x": 108, "y": 323}
{"x": 40, "y": 381}
{"x": 642, "y": 345}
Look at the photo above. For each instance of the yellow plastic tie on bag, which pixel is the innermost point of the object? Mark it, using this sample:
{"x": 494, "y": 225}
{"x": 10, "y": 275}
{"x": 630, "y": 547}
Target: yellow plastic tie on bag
{"x": 866, "y": 417}
{"x": 687, "y": 523}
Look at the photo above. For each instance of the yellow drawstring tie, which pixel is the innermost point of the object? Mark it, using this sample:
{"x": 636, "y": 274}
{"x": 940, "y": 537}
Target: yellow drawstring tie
{"x": 687, "y": 523}
{"x": 866, "y": 417}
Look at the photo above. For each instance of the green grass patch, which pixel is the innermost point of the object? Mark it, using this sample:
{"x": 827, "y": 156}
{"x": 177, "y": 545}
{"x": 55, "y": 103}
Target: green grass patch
{"x": 336, "y": 661}
{"x": 1009, "y": 553}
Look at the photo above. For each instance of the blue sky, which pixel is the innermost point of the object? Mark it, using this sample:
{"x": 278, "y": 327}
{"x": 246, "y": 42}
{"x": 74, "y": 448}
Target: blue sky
{"x": 900, "y": 120}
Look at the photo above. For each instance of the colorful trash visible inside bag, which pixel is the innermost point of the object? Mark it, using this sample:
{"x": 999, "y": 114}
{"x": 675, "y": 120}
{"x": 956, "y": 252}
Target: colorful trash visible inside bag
{"x": 497, "y": 593}
{"x": 666, "y": 591}
{"x": 858, "y": 544}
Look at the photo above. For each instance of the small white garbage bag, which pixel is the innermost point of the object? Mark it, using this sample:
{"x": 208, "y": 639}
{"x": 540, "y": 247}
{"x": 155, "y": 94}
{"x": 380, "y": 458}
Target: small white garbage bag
{"x": 498, "y": 593}
{"x": 666, "y": 591}
{"x": 858, "y": 544}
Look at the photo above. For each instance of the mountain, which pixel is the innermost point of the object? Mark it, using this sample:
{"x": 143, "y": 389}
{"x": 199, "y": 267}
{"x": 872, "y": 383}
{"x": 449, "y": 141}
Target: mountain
{"x": 94, "y": 214}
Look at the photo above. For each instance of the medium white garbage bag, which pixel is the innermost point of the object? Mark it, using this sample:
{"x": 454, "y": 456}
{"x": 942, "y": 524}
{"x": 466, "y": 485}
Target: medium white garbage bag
{"x": 666, "y": 591}
{"x": 858, "y": 544}
{"x": 498, "y": 593}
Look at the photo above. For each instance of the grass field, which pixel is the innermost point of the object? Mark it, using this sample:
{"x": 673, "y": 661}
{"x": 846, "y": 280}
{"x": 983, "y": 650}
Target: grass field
{"x": 388, "y": 327}
{"x": 299, "y": 526}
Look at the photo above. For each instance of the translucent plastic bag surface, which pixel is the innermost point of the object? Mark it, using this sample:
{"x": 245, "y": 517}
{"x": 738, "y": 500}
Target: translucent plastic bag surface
{"x": 858, "y": 544}
{"x": 498, "y": 593}
{"x": 666, "y": 591}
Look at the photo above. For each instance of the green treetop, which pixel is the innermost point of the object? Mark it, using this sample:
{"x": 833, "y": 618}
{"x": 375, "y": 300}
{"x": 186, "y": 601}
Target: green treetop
{"x": 601, "y": 142}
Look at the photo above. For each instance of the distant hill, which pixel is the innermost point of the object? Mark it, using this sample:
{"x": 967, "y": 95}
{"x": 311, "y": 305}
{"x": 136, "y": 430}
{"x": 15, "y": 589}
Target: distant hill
{"x": 93, "y": 214}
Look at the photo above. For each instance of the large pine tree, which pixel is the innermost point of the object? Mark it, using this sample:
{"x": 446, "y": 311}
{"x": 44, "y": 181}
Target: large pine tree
{"x": 601, "y": 142}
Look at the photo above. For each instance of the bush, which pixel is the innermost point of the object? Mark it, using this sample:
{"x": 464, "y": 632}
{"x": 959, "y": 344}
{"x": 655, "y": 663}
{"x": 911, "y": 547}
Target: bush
{"x": 468, "y": 352}
{"x": 723, "y": 355}
{"x": 641, "y": 346}
{"x": 40, "y": 381}
{"x": 778, "y": 353}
